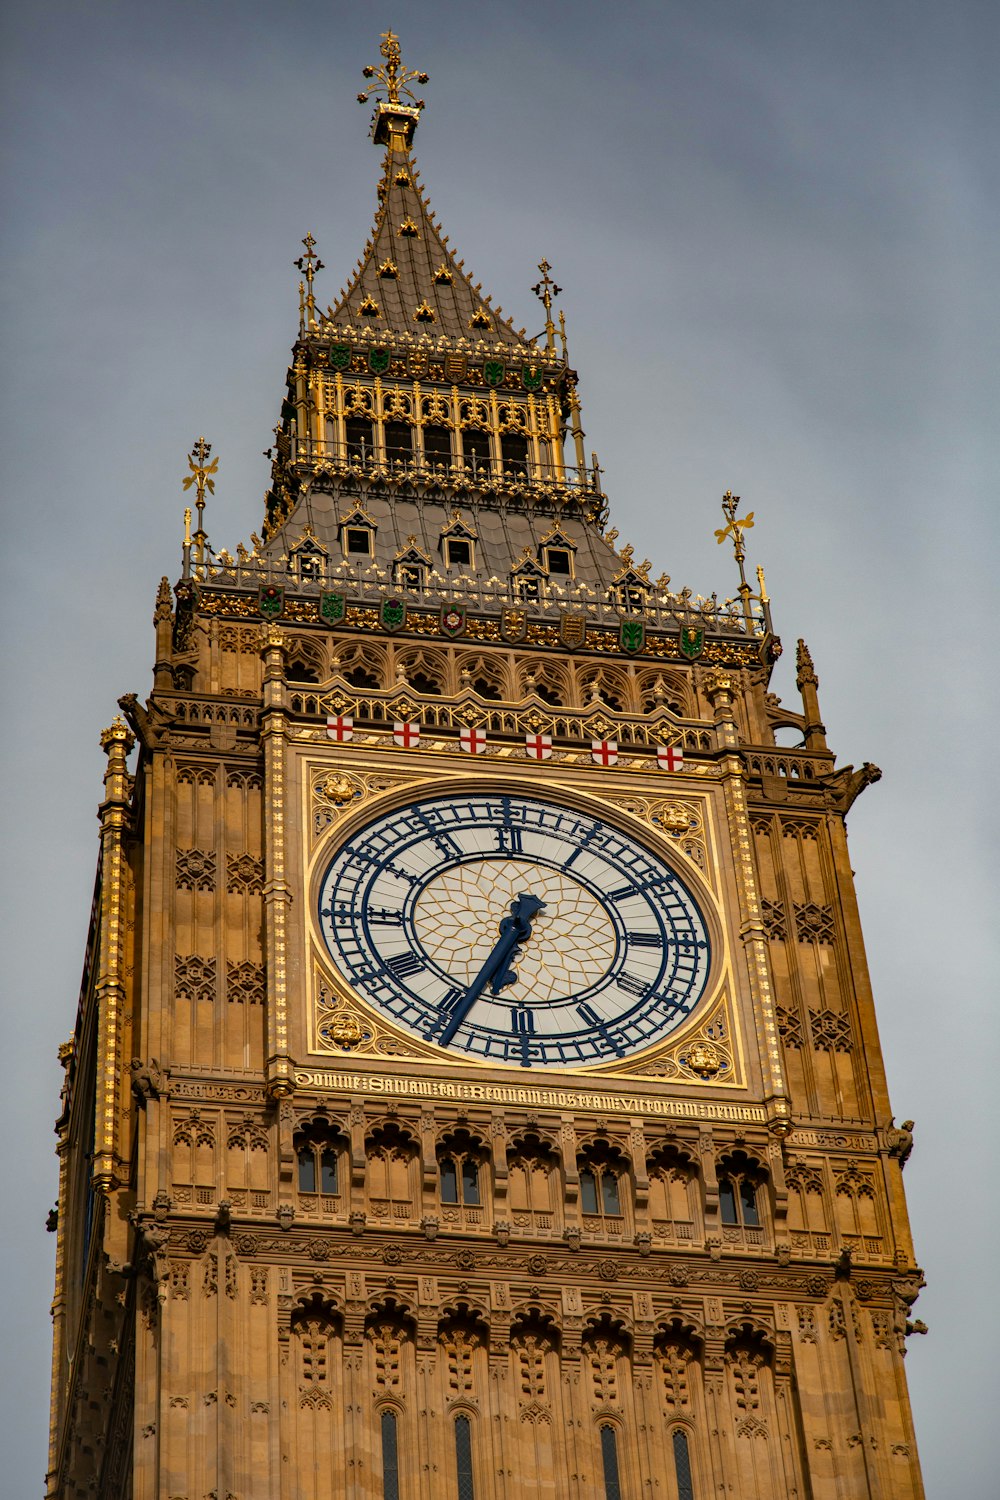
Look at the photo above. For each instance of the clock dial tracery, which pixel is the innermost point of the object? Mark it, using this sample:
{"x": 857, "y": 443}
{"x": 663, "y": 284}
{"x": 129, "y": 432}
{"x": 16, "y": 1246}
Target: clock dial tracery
{"x": 617, "y": 953}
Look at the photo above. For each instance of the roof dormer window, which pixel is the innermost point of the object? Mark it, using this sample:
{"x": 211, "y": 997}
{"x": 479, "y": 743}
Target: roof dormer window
{"x": 411, "y": 566}
{"x": 389, "y": 270}
{"x": 357, "y": 535}
{"x": 557, "y": 554}
{"x": 425, "y": 313}
{"x": 308, "y": 560}
{"x": 369, "y": 308}
{"x": 408, "y": 230}
{"x": 443, "y": 276}
{"x": 458, "y": 552}
{"x": 480, "y": 319}
{"x": 558, "y": 562}
{"x": 358, "y": 541}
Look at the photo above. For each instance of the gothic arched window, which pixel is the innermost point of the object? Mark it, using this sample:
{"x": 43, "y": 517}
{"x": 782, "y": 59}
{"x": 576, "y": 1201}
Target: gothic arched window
{"x": 531, "y": 1163}
{"x": 672, "y": 1192}
{"x": 603, "y": 1183}
{"x": 609, "y": 1462}
{"x": 740, "y": 1191}
{"x": 318, "y": 1147}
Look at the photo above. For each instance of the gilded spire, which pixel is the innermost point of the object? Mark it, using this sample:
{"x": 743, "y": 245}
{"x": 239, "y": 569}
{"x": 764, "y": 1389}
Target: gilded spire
{"x": 408, "y": 282}
{"x": 308, "y": 264}
{"x": 200, "y": 477}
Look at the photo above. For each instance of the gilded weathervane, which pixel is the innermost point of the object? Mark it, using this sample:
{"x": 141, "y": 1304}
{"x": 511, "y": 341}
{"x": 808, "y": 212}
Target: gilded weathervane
{"x": 200, "y": 477}
{"x": 735, "y": 528}
{"x": 308, "y": 264}
{"x": 393, "y": 77}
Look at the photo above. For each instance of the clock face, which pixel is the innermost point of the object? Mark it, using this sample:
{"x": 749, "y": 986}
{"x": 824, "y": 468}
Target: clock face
{"x": 514, "y": 930}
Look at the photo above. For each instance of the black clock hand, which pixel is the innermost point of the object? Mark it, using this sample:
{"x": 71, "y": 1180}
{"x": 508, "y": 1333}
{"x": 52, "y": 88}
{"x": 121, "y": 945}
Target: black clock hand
{"x": 514, "y": 930}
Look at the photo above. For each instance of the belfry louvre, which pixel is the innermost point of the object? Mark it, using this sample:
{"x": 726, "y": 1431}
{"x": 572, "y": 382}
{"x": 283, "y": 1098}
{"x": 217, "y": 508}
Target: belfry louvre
{"x": 475, "y": 1089}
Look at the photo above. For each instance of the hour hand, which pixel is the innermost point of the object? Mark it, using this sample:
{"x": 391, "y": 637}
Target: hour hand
{"x": 514, "y": 930}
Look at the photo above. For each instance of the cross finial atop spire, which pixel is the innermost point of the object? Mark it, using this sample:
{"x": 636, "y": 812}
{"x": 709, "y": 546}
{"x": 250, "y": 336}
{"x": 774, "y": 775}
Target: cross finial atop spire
{"x": 308, "y": 264}
{"x": 546, "y": 291}
{"x": 395, "y": 80}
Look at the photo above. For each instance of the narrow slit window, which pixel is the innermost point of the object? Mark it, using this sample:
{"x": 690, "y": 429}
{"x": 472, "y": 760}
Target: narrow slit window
{"x": 470, "y": 1182}
{"x": 463, "y": 1458}
{"x": 390, "y": 1457}
{"x": 588, "y": 1192}
{"x": 748, "y": 1203}
{"x": 609, "y": 1193}
{"x": 609, "y": 1456}
{"x": 328, "y": 1171}
{"x": 307, "y": 1170}
{"x": 727, "y": 1202}
{"x": 449, "y": 1182}
{"x": 682, "y": 1466}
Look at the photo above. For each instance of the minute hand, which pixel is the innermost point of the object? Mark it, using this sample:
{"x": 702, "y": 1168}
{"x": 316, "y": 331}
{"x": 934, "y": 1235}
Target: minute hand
{"x": 514, "y": 930}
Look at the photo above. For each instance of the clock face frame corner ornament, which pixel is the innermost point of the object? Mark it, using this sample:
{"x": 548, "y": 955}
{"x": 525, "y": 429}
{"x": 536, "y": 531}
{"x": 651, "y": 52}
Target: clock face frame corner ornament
{"x": 514, "y": 930}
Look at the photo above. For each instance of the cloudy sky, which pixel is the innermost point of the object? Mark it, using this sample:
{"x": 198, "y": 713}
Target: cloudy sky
{"x": 776, "y": 225}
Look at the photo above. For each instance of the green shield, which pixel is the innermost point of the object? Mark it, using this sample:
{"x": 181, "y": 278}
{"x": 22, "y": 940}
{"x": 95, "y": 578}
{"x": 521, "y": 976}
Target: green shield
{"x": 378, "y": 361}
{"x": 332, "y": 608}
{"x": 493, "y": 371}
{"x": 392, "y": 615}
{"x": 632, "y": 635}
{"x": 692, "y": 641}
{"x": 340, "y": 356}
{"x": 270, "y": 600}
{"x": 531, "y": 377}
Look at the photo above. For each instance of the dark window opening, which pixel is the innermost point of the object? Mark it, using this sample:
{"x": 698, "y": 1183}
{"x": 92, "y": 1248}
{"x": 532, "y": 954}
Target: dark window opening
{"x": 609, "y": 1193}
{"x": 358, "y": 677}
{"x": 470, "y": 1182}
{"x": 359, "y": 542}
{"x": 599, "y": 1193}
{"x": 421, "y": 682}
{"x": 459, "y": 553}
{"x": 410, "y": 575}
{"x": 476, "y": 448}
{"x": 609, "y": 1457}
{"x": 514, "y": 452}
{"x": 588, "y": 1192}
{"x": 437, "y": 445}
{"x": 682, "y": 1466}
{"x": 748, "y": 1203}
{"x": 449, "y": 1182}
{"x": 527, "y": 589}
{"x": 309, "y": 565}
{"x": 727, "y": 1202}
{"x": 486, "y": 689}
{"x": 328, "y": 1171}
{"x": 301, "y": 671}
{"x": 360, "y": 442}
{"x": 390, "y": 1457}
{"x": 307, "y": 1170}
{"x": 558, "y": 561}
{"x": 398, "y": 442}
{"x": 463, "y": 1458}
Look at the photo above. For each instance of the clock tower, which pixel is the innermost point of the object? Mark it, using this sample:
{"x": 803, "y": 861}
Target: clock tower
{"x": 475, "y": 1089}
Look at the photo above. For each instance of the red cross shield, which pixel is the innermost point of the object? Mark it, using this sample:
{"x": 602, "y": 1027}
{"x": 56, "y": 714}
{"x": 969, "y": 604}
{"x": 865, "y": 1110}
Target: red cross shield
{"x": 538, "y": 746}
{"x": 670, "y": 757}
{"x": 339, "y": 727}
{"x": 604, "y": 752}
{"x": 472, "y": 741}
{"x": 406, "y": 734}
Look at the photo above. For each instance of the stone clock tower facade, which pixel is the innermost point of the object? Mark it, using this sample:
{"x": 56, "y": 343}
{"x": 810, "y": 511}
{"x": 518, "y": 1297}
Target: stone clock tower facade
{"x": 475, "y": 1090}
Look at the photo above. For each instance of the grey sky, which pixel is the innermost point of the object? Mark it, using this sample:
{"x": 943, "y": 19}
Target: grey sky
{"x": 776, "y": 226}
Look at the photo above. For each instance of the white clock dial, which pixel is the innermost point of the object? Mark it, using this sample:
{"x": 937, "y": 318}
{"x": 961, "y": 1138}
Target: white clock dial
{"x": 514, "y": 929}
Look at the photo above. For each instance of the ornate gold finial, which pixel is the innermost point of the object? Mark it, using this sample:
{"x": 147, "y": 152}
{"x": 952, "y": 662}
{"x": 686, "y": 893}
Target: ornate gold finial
{"x": 395, "y": 80}
{"x": 762, "y": 593}
{"x": 200, "y": 477}
{"x": 118, "y": 733}
{"x": 308, "y": 264}
{"x": 546, "y": 291}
